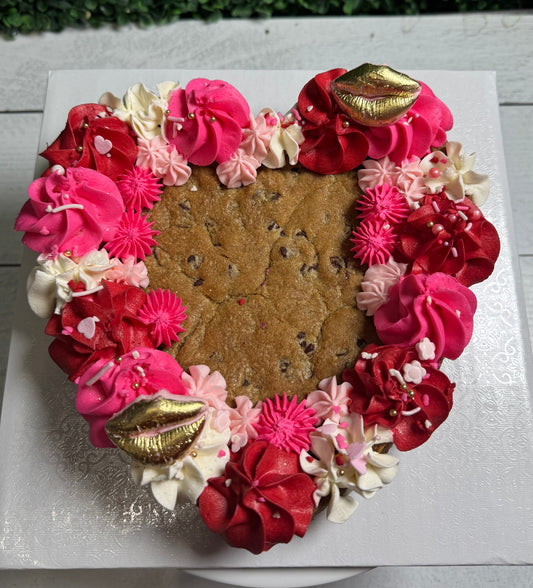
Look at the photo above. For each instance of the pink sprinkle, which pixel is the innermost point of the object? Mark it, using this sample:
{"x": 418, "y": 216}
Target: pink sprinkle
{"x": 404, "y": 397}
{"x": 341, "y": 425}
{"x": 435, "y": 206}
{"x": 67, "y": 331}
{"x": 263, "y": 325}
{"x": 339, "y": 460}
{"x": 443, "y": 160}
{"x": 221, "y": 453}
{"x": 341, "y": 442}
{"x": 425, "y": 400}
{"x": 434, "y": 159}
{"x": 296, "y": 114}
{"x": 336, "y": 409}
{"x": 255, "y": 483}
{"x": 454, "y": 251}
{"x": 44, "y": 231}
{"x": 241, "y": 301}
{"x": 261, "y": 499}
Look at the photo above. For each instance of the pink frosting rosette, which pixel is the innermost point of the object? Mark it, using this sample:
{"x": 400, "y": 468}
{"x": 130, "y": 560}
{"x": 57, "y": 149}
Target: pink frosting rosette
{"x": 107, "y": 387}
{"x": 424, "y": 126}
{"x": 206, "y": 121}
{"x": 72, "y": 212}
{"x": 435, "y": 306}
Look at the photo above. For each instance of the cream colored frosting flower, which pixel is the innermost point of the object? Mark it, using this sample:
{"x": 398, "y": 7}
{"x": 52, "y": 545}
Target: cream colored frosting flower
{"x": 285, "y": 142}
{"x": 141, "y": 108}
{"x": 453, "y": 172}
{"x": 184, "y": 480}
{"x": 344, "y": 460}
{"x": 48, "y": 283}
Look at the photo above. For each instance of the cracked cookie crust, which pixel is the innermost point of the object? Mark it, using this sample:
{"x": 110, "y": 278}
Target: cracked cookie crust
{"x": 267, "y": 277}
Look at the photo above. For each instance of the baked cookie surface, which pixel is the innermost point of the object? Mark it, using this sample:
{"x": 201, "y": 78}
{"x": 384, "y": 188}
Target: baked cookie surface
{"x": 266, "y": 275}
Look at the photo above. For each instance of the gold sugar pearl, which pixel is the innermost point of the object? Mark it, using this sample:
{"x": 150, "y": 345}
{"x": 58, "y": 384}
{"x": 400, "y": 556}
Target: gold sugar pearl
{"x": 341, "y": 472}
{"x": 430, "y": 224}
{"x": 403, "y": 386}
{"x": 393, "y": 412}
{"x": 194, "y": 454}
{"x": 79, "y": 148}
{"x": 212, "y": 119}
{"x": 136, "y": 385}
{"x": 167, "y": 111}
{"x": 85, "y": 125}
{"x": 119, "y": 359}
{"x": 67, "y": 253}
{"x": 191, "y": 115}
{"x": 411, "y": 393}
{"x": 346, "y": 124}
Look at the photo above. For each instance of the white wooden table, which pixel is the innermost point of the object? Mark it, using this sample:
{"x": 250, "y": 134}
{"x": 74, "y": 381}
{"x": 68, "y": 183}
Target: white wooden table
{"x": 500, "y": 42}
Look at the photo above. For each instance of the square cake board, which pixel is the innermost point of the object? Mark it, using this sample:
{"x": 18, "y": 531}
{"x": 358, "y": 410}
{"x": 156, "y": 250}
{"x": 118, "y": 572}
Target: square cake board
{"x": 462, "y": 498}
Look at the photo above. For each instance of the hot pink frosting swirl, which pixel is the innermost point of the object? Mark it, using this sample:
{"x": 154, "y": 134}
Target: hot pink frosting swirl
{"x": 435, "y": 306}
{"x": 423, "y": 127}
{"x": 72, "y": 212}
{"x": 107, "y": 387}
{"x": 206, "y": 121}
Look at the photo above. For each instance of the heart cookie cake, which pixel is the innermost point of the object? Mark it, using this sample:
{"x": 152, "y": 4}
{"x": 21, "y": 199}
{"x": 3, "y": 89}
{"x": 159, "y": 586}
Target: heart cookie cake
{"x": 255, "y": 307}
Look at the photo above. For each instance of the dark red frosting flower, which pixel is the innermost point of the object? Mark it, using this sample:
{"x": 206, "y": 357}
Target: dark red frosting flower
{"x": 104, "y": 324}
{"x": 94, "y": 139}
{"x": 449, "y": 237}
{"x": 385, "y": 394}
{"x": 262, "y": 499}
{"x": 206, "y": 121}
{"x": 333, "y": 144}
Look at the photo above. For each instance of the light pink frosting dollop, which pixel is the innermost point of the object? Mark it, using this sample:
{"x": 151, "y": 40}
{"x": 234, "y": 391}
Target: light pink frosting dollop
{"x": 377, "y": 281}
{"x": 239, "y": 170}
{"x": 74, "y": 211}
{"x": 435, "y": 306}
{"x": 107, "y": 387}
{"x": 164, "y": 160}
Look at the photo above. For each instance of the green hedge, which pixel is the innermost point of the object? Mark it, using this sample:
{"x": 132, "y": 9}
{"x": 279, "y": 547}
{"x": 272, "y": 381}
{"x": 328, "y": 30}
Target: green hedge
{"x": 18, "y": 16}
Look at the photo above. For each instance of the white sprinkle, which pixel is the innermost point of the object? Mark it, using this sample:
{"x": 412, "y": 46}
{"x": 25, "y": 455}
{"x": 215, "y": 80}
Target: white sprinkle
{"x": 102, "y": 114}
{"x": 427, "y": 424}
{"x": 462, "y": 215}
{"x": 194, "y": 188}
{"x": 135, "y": 354}
{"x": 227, "y": 483}
{"x": 87, "y": 292}
{"x": 396, "y": 374}
{"x": 100, "y": 373}
{"x": 309, "y": 108}
{"x": 276, "y": 515}
{"x": 415, "y": 206}
{"x": 409, "y": 119}
{"x": 140, "y": 370}
{"x": 458, "y": 313}
{"x": 454, "y": 251}
{"x": 429, "y": 300}
{"x": 468, "y": 227}
{"x": 411, "y": 412}
{"x": 108, "y": 154}
{"x": 63, "y": 207}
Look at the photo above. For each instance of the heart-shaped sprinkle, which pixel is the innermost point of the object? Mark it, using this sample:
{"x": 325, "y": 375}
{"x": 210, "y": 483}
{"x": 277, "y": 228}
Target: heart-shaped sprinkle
{"x": 102, "y": 145}
{"x": 87, "y": 327}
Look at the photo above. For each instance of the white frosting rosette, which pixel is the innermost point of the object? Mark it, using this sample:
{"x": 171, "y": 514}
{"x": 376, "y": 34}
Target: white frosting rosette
{"x": 342, "y": 460}
{"x": 284, "y": 144}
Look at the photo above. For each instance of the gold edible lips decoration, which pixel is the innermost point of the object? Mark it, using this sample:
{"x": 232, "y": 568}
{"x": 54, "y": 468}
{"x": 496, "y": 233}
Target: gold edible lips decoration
{"x": 158, "y": 430}
{"x": 375, "y": 95}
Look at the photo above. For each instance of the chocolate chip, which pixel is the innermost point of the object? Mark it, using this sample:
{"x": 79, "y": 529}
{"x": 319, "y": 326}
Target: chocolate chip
{"x": 338, "y": 263}
{"x": 284, "y": 365}
{"x": 275, "y": 196}
{"x": 195, "y": 261}
{"x": 245, "y": 382}
{"x": 310, "y": 348}
{"x": 301, "y": 233}
{"x": 273, "y": 226}
{"x": 186, "y": 205}
{"x": 300, "y": 335}
{"x": 361, "y": 343}
{"x": 198, "y": 282}
{"x": 342, "y": 353}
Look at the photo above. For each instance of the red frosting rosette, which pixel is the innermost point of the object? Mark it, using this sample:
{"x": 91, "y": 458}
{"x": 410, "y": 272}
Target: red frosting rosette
{"x": 332, "y": 143}
{"x": 394, "y": 389}
{"x": 101, "y": 325}
{"x": 107, "y": 387}
{"x": 94, "y": 139}
{"x": 434, "y": 306}
{"x": 449, "y": 237}
{"x": 206, "y": 121}
{"x": 262, "y": 499}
